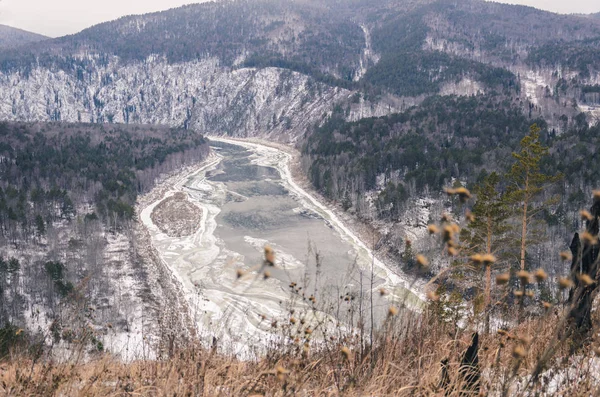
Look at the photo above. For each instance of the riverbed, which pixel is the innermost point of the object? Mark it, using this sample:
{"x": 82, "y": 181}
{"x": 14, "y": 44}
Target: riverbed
{"x": 248, "y": 200}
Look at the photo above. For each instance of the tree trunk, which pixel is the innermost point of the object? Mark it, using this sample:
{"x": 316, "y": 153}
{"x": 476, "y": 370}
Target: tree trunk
{"x": 524, "y": 225}
{"x": 488, "y": 268}
{"x": 488, "y": 293}
{"x": 582, "y": 296}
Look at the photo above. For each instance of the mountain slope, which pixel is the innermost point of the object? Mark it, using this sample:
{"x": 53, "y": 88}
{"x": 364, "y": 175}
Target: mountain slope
{"x": 323, "y": 39}
{"x": 199, "y": 95}
{"x": 230, "y": 31}
{"x": 67, "y": 218}
{"x": 378, "y": 50}
{"x": 13, "y": 37}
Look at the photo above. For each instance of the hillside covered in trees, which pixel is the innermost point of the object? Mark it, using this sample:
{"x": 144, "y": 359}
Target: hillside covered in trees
{"x": 50, "y": 170}
{"x": 272, "y": 68}
{"x": 12, "y": 37}
{"x": 426, "y": 147}
{"x": 408, "y": 48}
{"x": 67, "y": 215}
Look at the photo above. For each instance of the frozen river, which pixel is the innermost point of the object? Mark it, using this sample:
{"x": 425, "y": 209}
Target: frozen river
{"x": 248, "y": 201}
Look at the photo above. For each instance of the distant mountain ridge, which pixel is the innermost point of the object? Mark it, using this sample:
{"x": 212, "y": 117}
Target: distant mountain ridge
{"x": 369, "y": 51}
{"x": 13, "y": 37}
{"x": 325, "y": 38}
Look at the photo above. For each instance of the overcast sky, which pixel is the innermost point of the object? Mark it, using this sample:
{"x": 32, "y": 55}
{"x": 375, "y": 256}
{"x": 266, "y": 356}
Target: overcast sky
{"x": 60, "y": 17}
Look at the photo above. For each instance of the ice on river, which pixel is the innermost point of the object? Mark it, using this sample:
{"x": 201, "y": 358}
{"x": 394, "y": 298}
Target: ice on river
{"x": 249, "y": 200}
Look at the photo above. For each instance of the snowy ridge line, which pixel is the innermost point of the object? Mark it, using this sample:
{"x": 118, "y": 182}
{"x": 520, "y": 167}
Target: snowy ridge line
{"x": 384, "y": 271}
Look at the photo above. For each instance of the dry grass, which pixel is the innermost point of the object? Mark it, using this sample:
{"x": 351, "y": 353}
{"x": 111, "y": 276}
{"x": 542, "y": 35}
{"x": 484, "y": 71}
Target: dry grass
{"x": 406, "y": 363}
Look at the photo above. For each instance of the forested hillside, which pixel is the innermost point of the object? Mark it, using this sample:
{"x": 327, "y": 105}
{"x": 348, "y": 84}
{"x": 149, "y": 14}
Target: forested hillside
{"x": 422, "y": 149}
{"x": 12, "y": 37}
{"x": 51, "y": 165}
{"x": 67, "y": 197}
{"x": 312, "y": 34}
{"x": 408, "y": 48}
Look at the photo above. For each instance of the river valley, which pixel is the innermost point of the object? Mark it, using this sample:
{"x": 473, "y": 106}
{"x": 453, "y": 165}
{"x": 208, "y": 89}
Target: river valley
{"x": 247, "y": 200}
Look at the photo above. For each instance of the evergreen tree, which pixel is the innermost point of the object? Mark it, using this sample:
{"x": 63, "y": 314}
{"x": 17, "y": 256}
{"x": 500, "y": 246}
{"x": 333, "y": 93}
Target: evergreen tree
{"x": 39, "y": 225}
{"x": 408, "y": 256}
{"x": 526, "y": 183}
{"x": 486, "y": 233}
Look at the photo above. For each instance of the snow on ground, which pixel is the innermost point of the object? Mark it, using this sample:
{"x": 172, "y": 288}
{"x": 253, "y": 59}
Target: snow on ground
{"x": 416, "y": 223}
{"x": 368, "y": 57}
{"x": 202, "y": 94}
{"x": 464, "y": 87}
{"x": 129, "y": 342}
{"x": 534, "y": 84}
{"x": 593, "y": 111}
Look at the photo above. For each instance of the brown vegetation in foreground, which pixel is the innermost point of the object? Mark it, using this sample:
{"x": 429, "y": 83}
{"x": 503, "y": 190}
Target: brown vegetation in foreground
{"x": 406, "y": 361}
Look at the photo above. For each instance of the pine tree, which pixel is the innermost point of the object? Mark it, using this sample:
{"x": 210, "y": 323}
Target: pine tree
{"x": 408, "y": 256}
{"x": 40, "y": 225}
{"x": 486, "y": 233}
{"x": 526, "y": 183}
